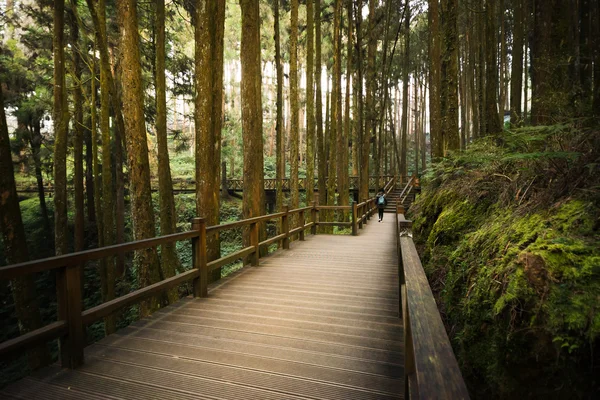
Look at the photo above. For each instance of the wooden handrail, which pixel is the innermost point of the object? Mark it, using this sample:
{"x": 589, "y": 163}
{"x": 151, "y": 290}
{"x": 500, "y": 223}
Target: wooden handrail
{"x": 431, "y": 370}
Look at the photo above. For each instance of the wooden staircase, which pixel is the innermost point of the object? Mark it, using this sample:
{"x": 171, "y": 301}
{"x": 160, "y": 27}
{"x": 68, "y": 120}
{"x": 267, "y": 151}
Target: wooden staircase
{"x": 393, "y": 198}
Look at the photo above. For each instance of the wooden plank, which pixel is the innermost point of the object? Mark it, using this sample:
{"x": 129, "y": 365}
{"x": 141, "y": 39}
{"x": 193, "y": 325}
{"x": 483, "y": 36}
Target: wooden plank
{"x": 105, "y": 309}
{"x": 33, "y": 338}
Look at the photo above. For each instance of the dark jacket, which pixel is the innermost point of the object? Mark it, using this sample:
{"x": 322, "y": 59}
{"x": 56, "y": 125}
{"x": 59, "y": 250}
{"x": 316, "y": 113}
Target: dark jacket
{"x": 377, "y": 201}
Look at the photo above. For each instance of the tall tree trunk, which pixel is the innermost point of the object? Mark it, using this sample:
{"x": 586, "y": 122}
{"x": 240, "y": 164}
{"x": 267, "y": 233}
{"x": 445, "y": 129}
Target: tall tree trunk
{"x": 336, "y": 139}
{"x": 251, "y": 98}
{"x": 369, "y": 133}
{"x": 61, "y": 125}
{"x": 107, "y": 186}
{"x": 492, "y": 117}
{"x": 280, "y": 167}
{"x": 89, "y": 171}
{"x": 15, "y": 247}
{"x": 435, "y": 81}
{"x": 78, "y": 128}
{"x": 343, "y": 178}
{"x": 310, "y": 103}
{"x": 36, "y": 145}
{"x": 595, "y": 11}
{"x": 207, "y": 188}
{"x": 147, "y": 261}
{"x": 294, "y": 134}
{"x": 218, "y": 35}
{"x": 516, "y": 79}
{"x": 405, "y": 98}
{"x": 450, "y": 133}
{"x": 170, "y": 260}
{"x": 322, "y": 160}
{"x": 362, "y": 149}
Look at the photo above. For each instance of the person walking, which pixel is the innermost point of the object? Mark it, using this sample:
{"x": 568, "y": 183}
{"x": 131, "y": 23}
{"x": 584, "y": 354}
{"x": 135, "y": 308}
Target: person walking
{"x": 381, "y": 202}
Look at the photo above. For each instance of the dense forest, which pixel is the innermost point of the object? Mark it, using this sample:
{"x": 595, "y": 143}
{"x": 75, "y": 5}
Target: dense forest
{"x": 122, "y": 120}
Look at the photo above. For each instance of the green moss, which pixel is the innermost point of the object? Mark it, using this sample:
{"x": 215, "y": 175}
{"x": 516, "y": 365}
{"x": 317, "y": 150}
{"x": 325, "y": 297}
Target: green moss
{"x": 516, "y": 270}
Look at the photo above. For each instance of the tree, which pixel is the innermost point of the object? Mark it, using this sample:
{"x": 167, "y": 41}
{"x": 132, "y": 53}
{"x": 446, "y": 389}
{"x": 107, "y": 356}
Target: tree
{"x": 322, "y": 165}
{"x": 170, "y": 260}
{"x": 405, "y": 96}
{"x": 280, "y": 142}
{"x": 61, "y": 123}
{"x": 435, "y": 81}
{"x": 209, "y": 85}
{"x": 492, "y": 118}
{"x": 369, "y": 132}
{"x": 450, "y": 135}
{"x": 310, "y": 102}
{"x": 15, "y": 246}
{"x": 147, "y": 261}
{"x": 516, "y": 80}
{"x": 294, "y": 107}
{"x": 251, "y": 98}
{"x": 335, "y": 132}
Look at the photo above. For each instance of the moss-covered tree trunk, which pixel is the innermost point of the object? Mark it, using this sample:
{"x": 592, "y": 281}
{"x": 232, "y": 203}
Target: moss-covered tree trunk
{"x": 492, "y": 118}
{"x": 15, "y": 246}
{"x": 310, "y": 102}
{"x": 369, "y": 132}
{"x": 279, "y": 137}
{"x": 78, "y": 130}
{"x": 147, "y": 262}
{"x": 335, "y": 132}
{"x": 294, "y": 106}
{"x": 516, "y": 80}
{"x": 253, "y": 203}
{"x": 60, "y": 118}
{"x": 322, "y": 160}
{"x": 108, "y": 210}
{"x": 170, "y": 260}
{"x": 405, "y": 96}
{"x": 363, "y": 180}
{"x": 435, "y": 80}
{"x": 450, "y": 134}
{"x": 209, "y": 86}
{"x": 344, "y": 179}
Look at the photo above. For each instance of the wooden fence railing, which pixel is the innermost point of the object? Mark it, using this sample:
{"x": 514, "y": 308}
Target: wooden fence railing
{"x": 72, "y": 319}
{"x": 430, "y": 367}
{"x": 237, "y": 185}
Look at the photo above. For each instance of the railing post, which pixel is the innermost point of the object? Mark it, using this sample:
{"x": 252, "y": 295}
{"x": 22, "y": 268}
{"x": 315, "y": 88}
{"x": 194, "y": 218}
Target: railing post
{"x": 199, "y": 258}
{"x": 368, "y": 205}
{"x": 285, "y": 227}
{"x": 354, "y": 213}
{"x": 301, "y": 220}
{"x": 360, "y": 216}
{"x": 68, "y": 282}
{"x": 313, "y": 215}
{"x": 254, "y": 242}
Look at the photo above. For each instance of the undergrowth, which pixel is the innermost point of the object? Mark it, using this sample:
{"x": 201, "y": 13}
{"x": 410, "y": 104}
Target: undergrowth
{"x": 510, "y": 233}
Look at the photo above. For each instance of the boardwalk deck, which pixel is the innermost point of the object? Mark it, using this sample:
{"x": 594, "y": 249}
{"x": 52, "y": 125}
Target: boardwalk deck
{"x": 319, "y": 321}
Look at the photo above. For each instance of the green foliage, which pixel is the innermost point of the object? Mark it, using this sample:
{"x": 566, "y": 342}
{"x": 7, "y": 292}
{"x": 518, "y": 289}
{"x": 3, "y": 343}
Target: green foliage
{"x": 511, "y": 248}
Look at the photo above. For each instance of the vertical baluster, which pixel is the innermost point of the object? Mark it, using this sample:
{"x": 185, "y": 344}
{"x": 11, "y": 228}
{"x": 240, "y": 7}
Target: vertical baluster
{"x": 285, "y": 226}
{"x": 354, "y": 225}
{"x": 313, "y": 213}
{"x": 254, "y": 243}
{"x": 68, "y": 285}
{"x": 301, "y": 218}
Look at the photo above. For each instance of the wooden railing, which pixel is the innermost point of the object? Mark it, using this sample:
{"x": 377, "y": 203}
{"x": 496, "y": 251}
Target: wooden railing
{"x": 430, "y": 367}
{"x": 72, "y": 319}
{"x": 237, "y": 185}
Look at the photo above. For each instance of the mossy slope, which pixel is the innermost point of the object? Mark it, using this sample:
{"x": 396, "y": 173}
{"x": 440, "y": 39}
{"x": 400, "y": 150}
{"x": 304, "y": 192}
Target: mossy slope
{"x": 510, "y": 237}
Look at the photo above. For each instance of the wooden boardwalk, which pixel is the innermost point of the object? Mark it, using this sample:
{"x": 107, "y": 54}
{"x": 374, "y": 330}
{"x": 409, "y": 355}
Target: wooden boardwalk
{"x": 318, "y": 321}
